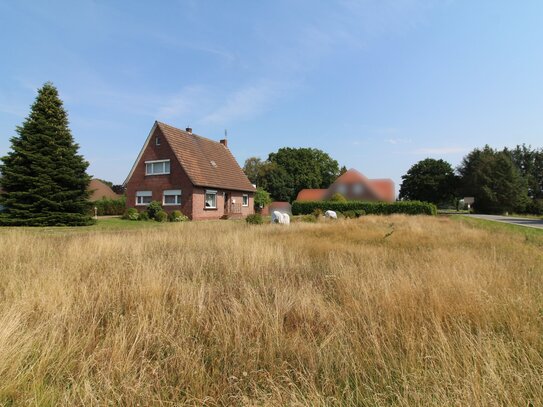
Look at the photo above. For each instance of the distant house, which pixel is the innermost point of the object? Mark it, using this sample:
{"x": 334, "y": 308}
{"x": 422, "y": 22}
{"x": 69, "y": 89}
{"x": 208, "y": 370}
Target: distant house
{"x": 98, "y": 190}
{"x": 353, "y": 185}
{"x": 186, "y": 172}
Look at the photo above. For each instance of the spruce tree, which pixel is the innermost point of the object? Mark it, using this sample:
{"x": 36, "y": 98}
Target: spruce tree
{"x": 44, "y": 179}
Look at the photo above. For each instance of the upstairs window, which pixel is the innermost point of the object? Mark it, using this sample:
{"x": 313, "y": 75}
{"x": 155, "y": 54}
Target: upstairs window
{"x": 211, "y": 199}
{"x": 157, "y": 140}
{"x": 171, "y": 197}
{"x": 144, "y": 197}
{"x": 358, "y": 189}
{"x": 245, "y": 200}
{"x": 157, "y": 167}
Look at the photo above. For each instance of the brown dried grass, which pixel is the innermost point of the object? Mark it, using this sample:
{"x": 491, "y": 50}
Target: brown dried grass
{"x": 222, "y": 313}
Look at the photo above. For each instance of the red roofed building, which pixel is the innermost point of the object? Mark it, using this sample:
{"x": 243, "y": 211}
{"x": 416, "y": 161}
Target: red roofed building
{"x": 186, "y": 172}
{"x": 353, "y": 185}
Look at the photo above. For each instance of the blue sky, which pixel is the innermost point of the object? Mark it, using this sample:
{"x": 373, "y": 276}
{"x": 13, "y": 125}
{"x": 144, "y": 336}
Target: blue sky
{"x": 377, "y": 84}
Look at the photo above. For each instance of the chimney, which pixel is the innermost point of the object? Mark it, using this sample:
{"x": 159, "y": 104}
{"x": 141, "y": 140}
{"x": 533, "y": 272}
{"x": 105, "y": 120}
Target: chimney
{"x": 189, "y": 130}
{"x": 224, "y": 142}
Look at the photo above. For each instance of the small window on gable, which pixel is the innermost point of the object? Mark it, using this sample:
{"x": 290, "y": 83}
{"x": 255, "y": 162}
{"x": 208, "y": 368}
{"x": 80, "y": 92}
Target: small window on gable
{"x": 342, "y": 189}
{"x": 157, "y": 167}
{"x": 172, "y": 197}
{"x": 211, "y": 199}
{"x": 157, "y": 140}
{"x": 245, "y": 200}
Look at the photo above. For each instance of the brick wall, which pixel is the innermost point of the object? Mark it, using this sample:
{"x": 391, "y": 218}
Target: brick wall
{"x": 192, "y": 198}
{"x": 176, "y": 179}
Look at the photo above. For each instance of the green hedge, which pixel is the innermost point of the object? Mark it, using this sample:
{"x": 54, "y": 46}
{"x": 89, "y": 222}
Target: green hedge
{"x": 371, "y": 208}
{"x": 108, "y": 206}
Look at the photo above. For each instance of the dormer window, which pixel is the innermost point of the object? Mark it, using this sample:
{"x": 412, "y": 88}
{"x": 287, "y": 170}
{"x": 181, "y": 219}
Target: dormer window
{"x": 157, "y": 140}
{"x": 157, "y": 167}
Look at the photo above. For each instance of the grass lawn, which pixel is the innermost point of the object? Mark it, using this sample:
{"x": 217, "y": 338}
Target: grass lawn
{"x": 375, "y": 311}
{"x": 531, "y": 234}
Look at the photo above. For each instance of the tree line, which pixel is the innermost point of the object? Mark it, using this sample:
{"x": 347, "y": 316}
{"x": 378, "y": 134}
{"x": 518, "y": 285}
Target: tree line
{"x": 507, "y": 180}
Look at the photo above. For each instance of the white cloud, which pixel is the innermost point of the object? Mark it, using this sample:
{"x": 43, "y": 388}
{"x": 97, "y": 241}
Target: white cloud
{"x": 245, "y": 103}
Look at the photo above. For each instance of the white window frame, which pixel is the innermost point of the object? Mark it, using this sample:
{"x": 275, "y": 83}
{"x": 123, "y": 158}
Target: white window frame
{"x": 171, "y": 192}
{"x": 210, "y": 192}
{"x": 157, "y": 140}
{"x": 243, "y": 197}
{"x": 143, "y": 194}
{"x": 151, "y": 164}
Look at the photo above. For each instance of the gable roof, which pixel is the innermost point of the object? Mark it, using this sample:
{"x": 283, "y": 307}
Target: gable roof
{"x": 385, "y": 188}
{"x": 207, "y": 163}
{"x": 311, "y": 194}
{"x": 99, "y": 190}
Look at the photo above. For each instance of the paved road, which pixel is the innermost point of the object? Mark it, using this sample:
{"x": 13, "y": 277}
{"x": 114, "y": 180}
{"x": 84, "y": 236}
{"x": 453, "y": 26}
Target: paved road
{"x": 531, "y": 223}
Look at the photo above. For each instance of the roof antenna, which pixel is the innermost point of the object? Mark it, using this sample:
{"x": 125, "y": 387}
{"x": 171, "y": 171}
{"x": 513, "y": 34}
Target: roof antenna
{"x": 225, "y": 134}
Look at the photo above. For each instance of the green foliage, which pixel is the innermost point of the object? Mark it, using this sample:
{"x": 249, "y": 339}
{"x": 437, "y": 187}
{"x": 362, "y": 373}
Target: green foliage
{"x": 491, "y": 177}
{"x": 262, "y": 198}
{"x": 429, "y": 180}
{"x": 144, "y": 216}
{"x": 290, "y": 170}
{"x": 131, "y": 214}
{"x": 108, "y": 206}
{"x": 154, "y": 208}
{"x": 337, "y": 197}
{"x": 177, "y": 216}
{"x": 44, "y": 178}
{"x": 254, "y": 219}
{"x": 161, "y": 216}
{"x": 370, "y": 208}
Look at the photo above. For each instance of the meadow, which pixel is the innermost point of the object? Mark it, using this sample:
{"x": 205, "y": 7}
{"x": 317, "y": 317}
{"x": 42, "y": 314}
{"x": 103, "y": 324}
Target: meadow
{"x": 374, "y": 311}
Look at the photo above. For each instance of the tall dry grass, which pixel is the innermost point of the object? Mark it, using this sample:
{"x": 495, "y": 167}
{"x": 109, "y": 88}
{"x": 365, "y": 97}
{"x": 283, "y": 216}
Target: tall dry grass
{"x": 221, "y": 313}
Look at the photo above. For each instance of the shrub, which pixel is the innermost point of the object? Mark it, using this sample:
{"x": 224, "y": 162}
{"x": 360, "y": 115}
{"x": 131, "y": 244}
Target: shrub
{"x": 153, "y": 208}
{"x": 370, "y": 208}
{"x": 309, "y": 218}
{"x": 107, "y": 206}
{"x": 317, "y": 212}
{"x": 349, "y": 214}
{"x": 144, "y": 216}
{"x": 131, "y": 214}
{"x": 356, "y": 213}
{"x": 254, "y": 219}
{"x": 337, "y": 197}
{"x": 177, "y": 216}
{"x": 161, "y": 216}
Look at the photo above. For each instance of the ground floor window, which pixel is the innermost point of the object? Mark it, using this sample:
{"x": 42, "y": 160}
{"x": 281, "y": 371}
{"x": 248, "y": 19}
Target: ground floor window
{"x": 172, "y": 197}
{"x": 144, "y": 197}
{"x": 211, "y": 199}
{"x": 245, "y": 200}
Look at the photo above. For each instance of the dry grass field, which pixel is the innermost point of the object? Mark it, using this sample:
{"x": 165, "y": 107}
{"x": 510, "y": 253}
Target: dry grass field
{"x": 437, "y": 313}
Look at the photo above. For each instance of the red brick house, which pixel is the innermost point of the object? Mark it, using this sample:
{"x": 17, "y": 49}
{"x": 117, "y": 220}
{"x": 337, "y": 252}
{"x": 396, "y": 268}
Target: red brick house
{"x": 186, "y": 172}
{"x": 353, "y": 185}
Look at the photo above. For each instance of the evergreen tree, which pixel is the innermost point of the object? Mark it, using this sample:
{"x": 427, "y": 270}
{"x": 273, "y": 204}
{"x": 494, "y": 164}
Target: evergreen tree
{"x": 43, "y": 177}
{"x": 491, "y": 177}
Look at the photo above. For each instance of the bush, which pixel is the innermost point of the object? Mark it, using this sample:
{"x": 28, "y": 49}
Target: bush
{"x": 255, "y": 219}
{"x": 177, "y": 216}
{"x": 337, "y": 197}
{"x": 161, "y": 216}
{"x": 317, "y": 212}
{"x": 107, "y": 206}
{"x": 154, "y": 208}
{"x": 308, "y": 219}
{"x": 131, "y": 214}
{"x": 356, "y": 213}
{"x": 144, "y": 216}
{"x": 370, "y": 208}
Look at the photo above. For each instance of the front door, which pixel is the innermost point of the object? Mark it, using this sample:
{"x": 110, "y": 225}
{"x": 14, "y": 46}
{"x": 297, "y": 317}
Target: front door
{"x": 226, "y": 202}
